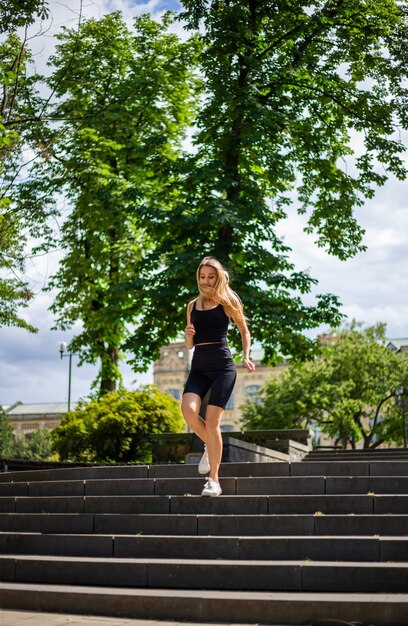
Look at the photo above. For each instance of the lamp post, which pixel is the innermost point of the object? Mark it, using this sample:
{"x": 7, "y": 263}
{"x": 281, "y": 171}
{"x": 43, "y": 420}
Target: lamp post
{"x": 400, "y": 398}
{"x": 62, "y": 346}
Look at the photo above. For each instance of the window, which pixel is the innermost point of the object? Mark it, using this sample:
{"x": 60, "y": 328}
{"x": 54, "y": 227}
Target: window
{"x": 175, "y": 393}
{"x": 180, "y": 354}
{"x": 230, "y": 403}
{"x": 252, "y": 392}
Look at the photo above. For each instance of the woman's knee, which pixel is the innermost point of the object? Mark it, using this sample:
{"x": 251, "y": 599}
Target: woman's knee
{"x": 189, "y": 415}
{"x": 189, "y": 408}
{"x": 187, "y": 411}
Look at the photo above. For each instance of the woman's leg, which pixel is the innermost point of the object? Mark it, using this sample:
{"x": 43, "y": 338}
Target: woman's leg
{"x": 190, "y": 406}
{"x": 221, "y": 390}
{"x": 214, "y": 439}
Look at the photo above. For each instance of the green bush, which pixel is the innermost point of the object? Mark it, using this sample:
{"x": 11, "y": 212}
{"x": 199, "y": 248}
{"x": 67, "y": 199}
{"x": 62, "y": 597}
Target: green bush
{"x": 6, "y": 434}
{"x": 116, "y": 428}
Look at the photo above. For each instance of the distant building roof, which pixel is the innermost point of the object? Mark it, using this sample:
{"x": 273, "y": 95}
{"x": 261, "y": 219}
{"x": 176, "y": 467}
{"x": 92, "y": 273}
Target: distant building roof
{"x": 42, "y": 408}
{"x": 398, "y": 345}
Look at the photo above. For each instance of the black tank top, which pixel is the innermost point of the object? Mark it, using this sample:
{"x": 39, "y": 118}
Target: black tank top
{"x": 210, "y": 325}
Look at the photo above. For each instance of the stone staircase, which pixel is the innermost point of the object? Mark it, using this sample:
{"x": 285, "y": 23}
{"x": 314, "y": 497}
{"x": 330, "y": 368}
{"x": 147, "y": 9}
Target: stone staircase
{"x": 361, "y": 454}
{"x": 286, "y": 543}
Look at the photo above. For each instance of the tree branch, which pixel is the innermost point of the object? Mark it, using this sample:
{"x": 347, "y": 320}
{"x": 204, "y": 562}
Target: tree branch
{"x": 19, "y": 59}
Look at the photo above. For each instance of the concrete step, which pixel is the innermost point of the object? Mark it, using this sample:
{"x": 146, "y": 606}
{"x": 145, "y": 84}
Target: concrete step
{"x": 47, "y": 523}
{"x": 328, "y": 465}
{"x": 206, "y": 524}
{"x": 164, "y": 486}
{"x": 241, "y": 486}
{"x": 341, "y": 503}
{"x": 78, "y": 473}
{"x": 361, "y": 458}
{"x": 364, "y": 484}
{"x": 291, "y": 504}
{"x": 168, "y": 470}
{"x": 348, "y": 548}
{"x": 349, "y": 468}
{"x": 350, "y": 455}
{"x": 371, "y": 451}
{"x": 279, "y": 528}
{"x": 210, "y": 605}
{"x": 136, "y": 504}
{"x": 254, "y": 575}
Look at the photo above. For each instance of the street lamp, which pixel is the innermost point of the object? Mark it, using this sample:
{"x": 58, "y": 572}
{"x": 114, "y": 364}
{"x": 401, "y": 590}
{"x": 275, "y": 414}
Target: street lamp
{"x": 400, "y": 398}
{"x": 62, "y": 346}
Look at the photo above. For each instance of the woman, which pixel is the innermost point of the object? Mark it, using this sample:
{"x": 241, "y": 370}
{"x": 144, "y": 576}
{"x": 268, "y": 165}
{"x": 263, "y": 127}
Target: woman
{"x": 212, "y": 365}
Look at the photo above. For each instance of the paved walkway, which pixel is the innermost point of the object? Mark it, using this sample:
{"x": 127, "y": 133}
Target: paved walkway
{"x": 26, "y": 618}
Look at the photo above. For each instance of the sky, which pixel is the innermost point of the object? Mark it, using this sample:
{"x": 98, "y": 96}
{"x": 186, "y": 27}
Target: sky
{"x": 372, "y": 286}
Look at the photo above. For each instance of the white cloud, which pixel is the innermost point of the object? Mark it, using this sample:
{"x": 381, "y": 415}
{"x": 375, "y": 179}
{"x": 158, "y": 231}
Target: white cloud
{"x": 31, "y": 369}
{"x": 373, "y": 286}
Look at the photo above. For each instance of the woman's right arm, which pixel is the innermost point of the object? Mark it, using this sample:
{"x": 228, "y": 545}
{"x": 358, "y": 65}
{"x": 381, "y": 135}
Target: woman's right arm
{"x": 189, "y": 330}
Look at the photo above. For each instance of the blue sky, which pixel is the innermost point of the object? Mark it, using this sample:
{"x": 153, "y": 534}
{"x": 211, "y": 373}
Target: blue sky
{"x": 373, "y": 286}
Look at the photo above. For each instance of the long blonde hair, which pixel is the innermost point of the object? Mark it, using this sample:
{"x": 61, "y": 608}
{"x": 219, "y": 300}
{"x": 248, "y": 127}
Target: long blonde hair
{"x": 221, "y": 293}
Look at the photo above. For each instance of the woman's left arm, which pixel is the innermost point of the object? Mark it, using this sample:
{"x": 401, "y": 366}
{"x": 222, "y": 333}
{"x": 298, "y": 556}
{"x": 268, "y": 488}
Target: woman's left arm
{"x": 246, "y": 342}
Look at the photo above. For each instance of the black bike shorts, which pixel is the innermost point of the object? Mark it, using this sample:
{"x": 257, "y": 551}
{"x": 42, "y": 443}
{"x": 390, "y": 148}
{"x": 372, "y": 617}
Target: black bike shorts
{"x": 212, "y": 368}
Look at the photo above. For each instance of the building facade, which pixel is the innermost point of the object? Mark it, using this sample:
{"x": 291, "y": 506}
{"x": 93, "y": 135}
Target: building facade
{"x": 171, "y": 371}
{"x": 26, "y": 418}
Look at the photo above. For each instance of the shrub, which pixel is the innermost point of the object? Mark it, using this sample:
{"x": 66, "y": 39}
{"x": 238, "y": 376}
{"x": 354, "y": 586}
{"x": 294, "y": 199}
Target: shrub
{"x": 116, "y": 428}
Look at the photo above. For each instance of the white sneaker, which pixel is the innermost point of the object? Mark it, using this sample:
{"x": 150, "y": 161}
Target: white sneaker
{"x": 204, "y": 464}
{"x": 211, "y": 488}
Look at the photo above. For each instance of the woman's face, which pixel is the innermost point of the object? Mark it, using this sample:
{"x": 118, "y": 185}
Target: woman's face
{"x": 207, "y": 276}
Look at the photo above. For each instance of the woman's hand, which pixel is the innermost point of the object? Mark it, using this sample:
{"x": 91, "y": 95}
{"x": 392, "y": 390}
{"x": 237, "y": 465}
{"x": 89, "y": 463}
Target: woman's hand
{"x": 249, "y": 365}
{"x": 189, "y": 331}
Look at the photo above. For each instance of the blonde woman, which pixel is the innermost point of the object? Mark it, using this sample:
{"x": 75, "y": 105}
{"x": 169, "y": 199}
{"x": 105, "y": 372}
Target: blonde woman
{"x": 212, "y": 365}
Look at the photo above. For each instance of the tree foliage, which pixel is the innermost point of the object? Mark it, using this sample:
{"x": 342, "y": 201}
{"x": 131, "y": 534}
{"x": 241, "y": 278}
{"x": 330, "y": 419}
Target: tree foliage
{"x": 35, "y": 447}
{"x": 17, "y": 114}
{"x": 285, "y": 86}
{"x": 116, "y": 428}
{"x": 16, "y": 13}
{"x": 39, "y": 444}
{"x": 16, "y": 225}
{"x": 348, "y": 392}
{"x": 124, "y": 100}
{"x": 6, "y": 434}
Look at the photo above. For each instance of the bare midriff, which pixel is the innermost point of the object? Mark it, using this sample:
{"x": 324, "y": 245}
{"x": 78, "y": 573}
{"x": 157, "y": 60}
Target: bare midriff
{"x": 208, "y": 343}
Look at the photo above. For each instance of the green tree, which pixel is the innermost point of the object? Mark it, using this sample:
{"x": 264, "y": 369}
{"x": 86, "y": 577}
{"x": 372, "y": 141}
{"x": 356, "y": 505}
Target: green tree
{"x": 285, "y": 86}
{"x": 348, "y": 392}
{"x": 39, "y": 444}
{"x": 6, "y": 435}
{"x": 116, "y": 428}
{"x": 125, "y": 98}
{"x": 17, "y": 13}
{"x": 19, "y": 448}
{"x": 15, "y": 225}
{"x": 16, "y": 120}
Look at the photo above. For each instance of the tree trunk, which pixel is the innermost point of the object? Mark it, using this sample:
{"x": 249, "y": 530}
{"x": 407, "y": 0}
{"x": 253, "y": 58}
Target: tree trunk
{"x": 225, "y": 241}
{"x": 344, "y": 437}
{"x": 111, "y": 353}
{"x": 108, "y": 382}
